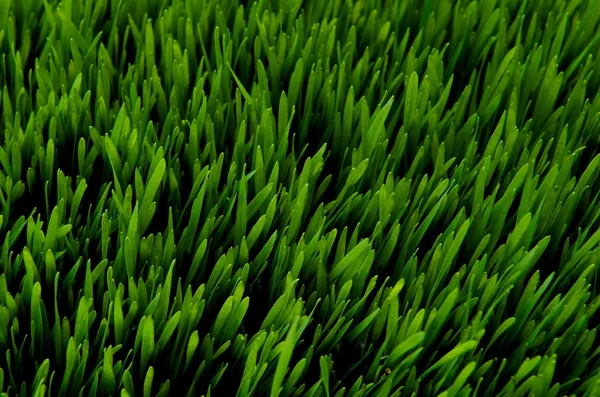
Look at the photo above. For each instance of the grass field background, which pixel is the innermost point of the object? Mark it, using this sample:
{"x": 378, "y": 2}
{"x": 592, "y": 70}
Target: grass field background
{"x": 299, "y": 198}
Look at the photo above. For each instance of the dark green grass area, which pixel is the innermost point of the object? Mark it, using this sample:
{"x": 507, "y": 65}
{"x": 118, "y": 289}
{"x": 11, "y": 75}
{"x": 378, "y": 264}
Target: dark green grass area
{"x": 332, "y": 198}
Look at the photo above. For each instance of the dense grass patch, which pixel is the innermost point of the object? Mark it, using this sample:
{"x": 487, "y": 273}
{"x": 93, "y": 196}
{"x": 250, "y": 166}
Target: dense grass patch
{"x": 299, "y": 198}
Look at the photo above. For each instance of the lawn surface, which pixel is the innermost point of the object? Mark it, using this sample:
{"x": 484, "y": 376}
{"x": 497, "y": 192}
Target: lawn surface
{"x": 299, "y": 198}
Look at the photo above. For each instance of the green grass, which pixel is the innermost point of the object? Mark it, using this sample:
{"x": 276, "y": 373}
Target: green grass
{"x": 320, "y": 198}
